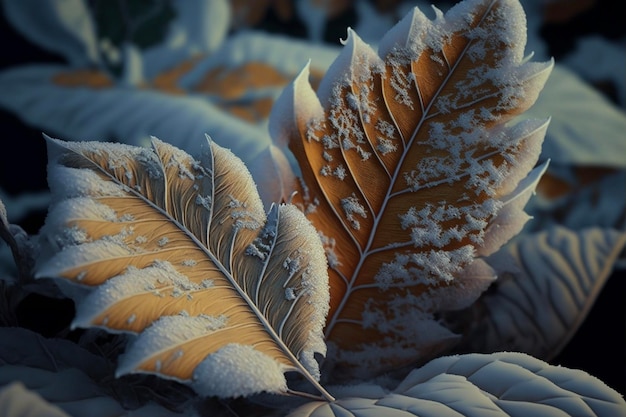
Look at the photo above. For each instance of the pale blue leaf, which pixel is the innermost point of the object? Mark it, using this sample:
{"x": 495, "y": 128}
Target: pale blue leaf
{"x": 198, "y": 27}
{"x": 56, "y": 374}
{"x": 288, "y": 56}
{"x": 61, "y": 26}
{"x": 131, "y": 116}
{"x": 601, "y": 203}
{"x": 585, "y": 129}
{"x": 477, "y": 385}
{"x": 547, "y": 284}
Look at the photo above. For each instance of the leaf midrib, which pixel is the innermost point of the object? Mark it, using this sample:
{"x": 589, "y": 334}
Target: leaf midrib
{"x": 366, "y": 251}
{"x": 264, "y": 322}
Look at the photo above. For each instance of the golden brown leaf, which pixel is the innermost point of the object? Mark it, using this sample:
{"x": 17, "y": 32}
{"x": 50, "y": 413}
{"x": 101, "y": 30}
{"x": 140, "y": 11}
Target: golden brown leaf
{"x": 180, "y": 252}
{"x": 411, "y": 172}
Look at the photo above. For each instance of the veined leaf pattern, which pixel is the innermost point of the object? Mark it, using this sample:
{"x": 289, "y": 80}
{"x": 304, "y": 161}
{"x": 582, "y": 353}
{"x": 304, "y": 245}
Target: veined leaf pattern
{"x": 548, "y": 281}
{"x": 502, "y": 384}
{"x": 412, "y": 170}
{"x": 181, "y": 252}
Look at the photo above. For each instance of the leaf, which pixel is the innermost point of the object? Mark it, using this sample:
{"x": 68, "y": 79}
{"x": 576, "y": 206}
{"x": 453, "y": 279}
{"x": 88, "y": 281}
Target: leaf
{"x": 68, "y": 30}
{"x": 600, "y": 203}
{"x": 64, "y": 375}
{"x": 133, "y": 115}
{"x": 586, "y": 129}
{"x": 20, "y": 244}
{"x": 499, "y": 384}
{"x": 17, "y": 401}
{"x": 547, "y": 284}
{"x": 181, "y": 252}
{"x": 412, "y": 170}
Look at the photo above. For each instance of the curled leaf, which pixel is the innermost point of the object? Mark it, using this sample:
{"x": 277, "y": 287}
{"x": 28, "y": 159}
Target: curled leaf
{"x": 412, "y": 170}
{"x": 180, "y": 252}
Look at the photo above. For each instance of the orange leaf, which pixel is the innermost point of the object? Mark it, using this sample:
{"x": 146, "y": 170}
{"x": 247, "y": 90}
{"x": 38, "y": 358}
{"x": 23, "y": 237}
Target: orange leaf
{"x": 411, "y": 171}
{"x": 180, "y": 252}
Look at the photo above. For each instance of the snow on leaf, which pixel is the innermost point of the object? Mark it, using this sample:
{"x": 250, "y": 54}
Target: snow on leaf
{"x": 181, "y": 252}
{"x": 547, "y": 283}
{"x": 497, "y": 385}
{"x": 412, "y": 168}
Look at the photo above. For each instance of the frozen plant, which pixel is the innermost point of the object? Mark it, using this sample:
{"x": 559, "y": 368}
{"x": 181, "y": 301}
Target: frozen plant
{"x": 413, "y": 169}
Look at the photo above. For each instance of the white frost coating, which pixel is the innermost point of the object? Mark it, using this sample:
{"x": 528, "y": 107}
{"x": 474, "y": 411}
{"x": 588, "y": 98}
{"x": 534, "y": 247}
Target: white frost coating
{"x": 352, "y": 208}
{"x": 81, "y": 255}
{"x": 529, "y": 135}
{"x": 162, "y": 277}
{"x": 72, "y": 182}
{"x": 341, "y": 68}
{"x": 412, "y": 26}
{"x": 238, "y": 371}
{"x": 470, "y": 283}
{"x": 167, "y": 333}
{"x": 290, "y": 294}
{"x": 432, "y": 267}
{"x": 80, "y": 208}
{"x": 511, "y": 218}
{"x": 314, "y": 285}
{"x": 425, "y": 333}
{"x": 249, "y": 214}
{"x": 298, "y": 101}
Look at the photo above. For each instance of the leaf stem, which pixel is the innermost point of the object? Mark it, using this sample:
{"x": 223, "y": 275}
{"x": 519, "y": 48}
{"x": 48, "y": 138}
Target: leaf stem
{"x": 324, "y": 397}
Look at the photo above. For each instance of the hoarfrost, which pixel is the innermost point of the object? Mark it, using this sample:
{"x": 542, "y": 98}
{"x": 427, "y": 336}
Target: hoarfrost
{"x": 152, "y": 279}
{"x": 329, "y": 248}
{"x": 204, "y": 201}
{"x": 340, "y": 172}
{"x": 189, "y": 262}
{"x": 385, "y": 146}
{"x": 290, "y": 294}
{"x": 352, "y": 206}
{"x": 166, "y": 333}
{"x": 67, "y": 182}
{"x": 245, "y": 218}
{"x": 292, "y": 265}
{"x": 236, "y": 371}
{"x": 431, "y": 267}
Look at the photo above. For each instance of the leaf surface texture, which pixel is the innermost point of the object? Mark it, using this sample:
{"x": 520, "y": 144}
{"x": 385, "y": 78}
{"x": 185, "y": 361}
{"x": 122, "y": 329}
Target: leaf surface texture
{"x": 547, "y": 284}
{"x": 411, "y": 170}
{"x": 504, "y": 384}
{"x": 181, "y": 252}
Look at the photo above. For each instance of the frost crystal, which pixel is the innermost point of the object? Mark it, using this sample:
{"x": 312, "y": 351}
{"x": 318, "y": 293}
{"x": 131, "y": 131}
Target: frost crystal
{"x": 351, "y": 207}
{"x": 238, "y": 370}
{"x": 290, "y": 294}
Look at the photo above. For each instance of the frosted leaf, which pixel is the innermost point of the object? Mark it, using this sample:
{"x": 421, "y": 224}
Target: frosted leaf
{"x": 238, "y": 370}
{"x": 547, "y": 285}
{"x": 166, "y": 254}
{"x": 503, "y": 384}
{"x": 416, "y": 165}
